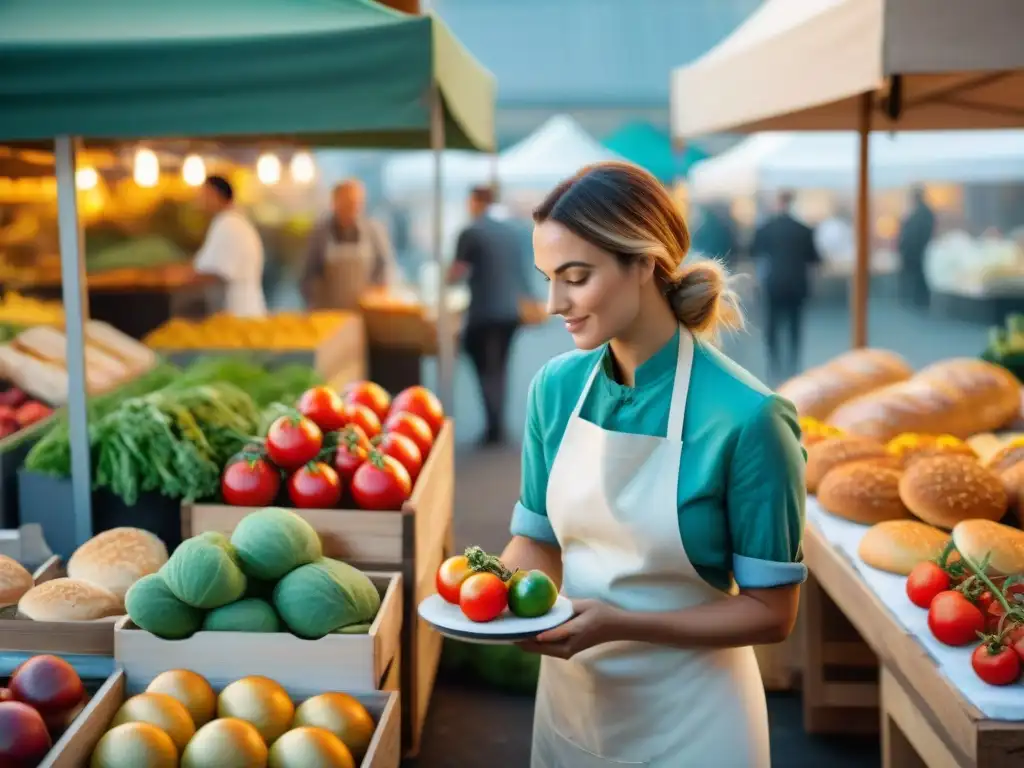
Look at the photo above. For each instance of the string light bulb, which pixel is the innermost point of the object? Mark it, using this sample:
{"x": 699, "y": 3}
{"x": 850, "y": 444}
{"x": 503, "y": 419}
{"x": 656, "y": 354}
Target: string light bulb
{"x": 268, "y": 169}
{"x": 303, "y": 168}
{"x": 147, "y": 168}
{"x": 86, "y": 178}
{"x": 193, "y": 170}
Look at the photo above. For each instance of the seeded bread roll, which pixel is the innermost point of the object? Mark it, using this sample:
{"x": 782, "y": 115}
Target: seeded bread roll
{"x": 826, "y": 455}
{"x": 862, "y": 492}
{"x": 818, "y": 391}
{"x": 1003, "y": 545}
{"x": 117, "y": 558}
{"x": 68, "y": 600}
{"x": 943, "y": 490}
{"x": 15, "y": 581}
{"x": 896, "y": 546}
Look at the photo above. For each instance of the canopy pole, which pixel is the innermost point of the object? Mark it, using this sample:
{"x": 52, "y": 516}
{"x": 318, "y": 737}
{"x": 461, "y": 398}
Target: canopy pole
{"x": 862, "y": 266}
{"x": 445, "y": 338}
{"x": 76, "y": 310}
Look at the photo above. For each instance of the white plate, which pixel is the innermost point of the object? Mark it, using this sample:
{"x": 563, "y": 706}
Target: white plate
{"x": 450, "y": 621}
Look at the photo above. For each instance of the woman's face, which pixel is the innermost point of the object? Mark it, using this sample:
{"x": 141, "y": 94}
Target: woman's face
{"x": 597, "y": 296}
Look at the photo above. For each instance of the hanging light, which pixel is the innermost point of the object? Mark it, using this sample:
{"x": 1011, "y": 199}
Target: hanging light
{"x": 193, "y": 170}
{"x": 303, "y": 168}
{"x": 268, "y": 169}
{"x": 147, "y": 168}
{"x": 86, "y": 178}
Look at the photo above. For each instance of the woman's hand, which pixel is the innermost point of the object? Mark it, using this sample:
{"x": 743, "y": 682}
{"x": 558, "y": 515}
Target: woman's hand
{"x": 593, "y": 623}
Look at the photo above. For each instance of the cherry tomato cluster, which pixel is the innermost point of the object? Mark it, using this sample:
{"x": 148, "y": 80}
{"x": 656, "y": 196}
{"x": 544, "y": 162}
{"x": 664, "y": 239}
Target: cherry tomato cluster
{"x": 358, "y": 447}
{"x": 483, "y": 587}
{"x": 965, "y": 605}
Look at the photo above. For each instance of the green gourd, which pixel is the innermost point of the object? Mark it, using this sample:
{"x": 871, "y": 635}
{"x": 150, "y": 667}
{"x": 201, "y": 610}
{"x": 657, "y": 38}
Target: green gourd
{"x": 326, "y": 596}
{"x": 247, "y": 615}
{"x": 271, "y": 542}
{"x": 204, "y": 573}
{"x": 153, "y": 607}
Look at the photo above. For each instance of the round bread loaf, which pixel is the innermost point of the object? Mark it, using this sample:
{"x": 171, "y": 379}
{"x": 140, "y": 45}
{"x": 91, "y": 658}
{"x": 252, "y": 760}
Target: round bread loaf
{"x": 826, "y": 455}
{"x": 15, "y": 581}
{"x": 117, "y": 558}
{"x": 896, "y": 546}
{"x": 943, "y": 490}
{"x": 862, "y": 492}
{"x": 68, "y": 600}
{"x": 1002, "y": 544}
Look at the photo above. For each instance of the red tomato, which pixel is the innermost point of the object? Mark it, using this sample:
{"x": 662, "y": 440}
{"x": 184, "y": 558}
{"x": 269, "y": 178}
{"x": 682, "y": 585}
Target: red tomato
{"x": 353, "y": 448}
{"x": 954, "y": 620}
{"x": 315, "y": 486}
{"x": 362, "y": 417}
{"x": 370, "y": 394}
{"x": 381, "y": 483}
{"x": 483, "y": 597}
{"x": 996, "y": 664}
{"x": 250, "y": 482}
{"x": 405, "y": 450}
{"x": 1015, "y": 639}
{"x": 925, "y": 581}
{"x": 324, "y": 407}
{"x": 413, "y": 427}
{"x": 422, "y": 402}
{"x": 293, "y": 441}
{"x": 450, "y": 576}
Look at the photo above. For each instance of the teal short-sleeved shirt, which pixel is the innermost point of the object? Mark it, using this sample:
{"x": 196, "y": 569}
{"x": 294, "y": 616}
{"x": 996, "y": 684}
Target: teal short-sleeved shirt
{"x": 741, "y": 477}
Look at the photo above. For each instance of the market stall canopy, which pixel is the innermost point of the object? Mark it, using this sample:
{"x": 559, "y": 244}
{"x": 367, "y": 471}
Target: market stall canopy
{"x": 338, "y": 72}
{"x": 650, "y": 147}
{"x": 801, "y": 65}
{"x": 828, "y": 160}
{"x": 553, "y": 152}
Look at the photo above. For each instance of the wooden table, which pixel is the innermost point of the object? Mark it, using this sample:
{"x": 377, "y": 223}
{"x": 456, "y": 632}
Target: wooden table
{"x": 924, "y": 719}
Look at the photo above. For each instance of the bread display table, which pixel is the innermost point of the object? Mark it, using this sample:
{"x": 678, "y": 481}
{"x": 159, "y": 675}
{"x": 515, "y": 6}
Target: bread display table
{"x": 934, "y": 711}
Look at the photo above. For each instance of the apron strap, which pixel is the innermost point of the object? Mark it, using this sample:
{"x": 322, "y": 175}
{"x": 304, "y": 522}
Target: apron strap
{"x": 681, "y": 385}
{"x": 590, "y": 381}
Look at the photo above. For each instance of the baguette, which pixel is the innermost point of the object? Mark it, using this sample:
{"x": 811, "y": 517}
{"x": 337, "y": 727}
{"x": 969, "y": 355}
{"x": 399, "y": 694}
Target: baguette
{"x": 956, "y": 397}
{"x": 102, "y": 370}
{"x": 817, "y": 392}
{"x": 38, "y": 378}
{"x": 896, "y": 546}
{"x": 1003, "y": 545}
{"x": 135, "y": 355}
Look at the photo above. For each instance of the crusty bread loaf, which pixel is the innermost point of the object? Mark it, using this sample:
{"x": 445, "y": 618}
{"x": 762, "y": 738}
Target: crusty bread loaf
{"x": 862, "y": 492}
{"x": 1003, "y": 545}
{"x": 818, "y": 391}
{"x": 896, "y": 546}
{"x": 955, "y": 397}
{"x": 943, "y": 490}
{"x": 116, "y": 559}
{"x": 68, "y": 600}
{"x": 15, "y": 581}
{"x": 826, "y": 455}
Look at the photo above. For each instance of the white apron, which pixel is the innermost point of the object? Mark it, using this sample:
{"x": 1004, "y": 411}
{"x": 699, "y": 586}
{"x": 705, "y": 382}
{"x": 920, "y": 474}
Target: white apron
{"x": 348, "y": 269}
{"x": 612, "y": 501}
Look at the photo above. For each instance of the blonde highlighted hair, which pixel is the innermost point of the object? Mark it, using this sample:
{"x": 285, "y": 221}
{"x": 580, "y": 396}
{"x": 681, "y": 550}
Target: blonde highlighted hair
{"x": 624, "y": 210}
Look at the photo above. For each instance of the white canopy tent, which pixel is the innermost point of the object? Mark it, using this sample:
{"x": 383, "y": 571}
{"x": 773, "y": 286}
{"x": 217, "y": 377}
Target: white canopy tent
{"x": 411, "y": 174}
{"x": 828, "y": 160}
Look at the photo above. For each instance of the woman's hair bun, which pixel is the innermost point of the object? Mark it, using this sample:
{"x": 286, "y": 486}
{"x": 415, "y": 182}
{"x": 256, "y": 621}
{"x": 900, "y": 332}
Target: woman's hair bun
{"x": 702, "y": 297}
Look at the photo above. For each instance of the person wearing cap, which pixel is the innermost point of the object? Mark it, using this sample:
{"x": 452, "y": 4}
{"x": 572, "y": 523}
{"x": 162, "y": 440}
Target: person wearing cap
{"x": 232, "y": 250}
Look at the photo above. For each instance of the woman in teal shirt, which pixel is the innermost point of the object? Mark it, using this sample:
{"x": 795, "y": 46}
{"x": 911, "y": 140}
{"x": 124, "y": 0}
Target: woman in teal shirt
{"x": 662, "y": 485}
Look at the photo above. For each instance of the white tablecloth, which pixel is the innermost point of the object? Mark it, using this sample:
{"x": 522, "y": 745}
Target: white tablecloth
{"x": 997, "y": 703}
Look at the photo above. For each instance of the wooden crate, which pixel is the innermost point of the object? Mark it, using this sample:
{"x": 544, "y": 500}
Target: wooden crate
{"x": 413, "y": 541}
{"x": 337, "y": 661}
{"x": 89, "y": 638}
{"x": 74, "y": 748}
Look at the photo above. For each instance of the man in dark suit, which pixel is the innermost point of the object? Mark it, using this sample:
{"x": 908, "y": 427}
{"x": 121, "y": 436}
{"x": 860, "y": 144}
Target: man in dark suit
{"x": 916, "y": 231}
{"x": 489, "y": 254}
{"x": 784, "y": 251}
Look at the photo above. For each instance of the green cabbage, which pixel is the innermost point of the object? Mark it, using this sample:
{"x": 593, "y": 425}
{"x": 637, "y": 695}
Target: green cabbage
{"x": 271, "y": 542}
{"x": 203, "y": 572}
{"x": 153, "y": 607}
{"x": 326, "y": 596}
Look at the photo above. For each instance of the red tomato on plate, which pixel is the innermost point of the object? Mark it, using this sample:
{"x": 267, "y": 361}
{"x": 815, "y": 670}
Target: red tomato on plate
{"x": 293, "y": 441}
{"x": 381, "y": 483}
{"x": 421, "y": 402}
{"x": 954, "y": 620}
{"x": 370, "y": 394}
{"x": 324, "y": 407}
{"x": 483, "y": 597}
{"x": 450, "y": 576}
{"x": 362, "y": 417}
{"x": 315, "y": 486}
{"x": 400, "y": 447}
{"x": 925, "y": 581}
{"x": 250, "y": 482}
{"x": 995, "y": 663}
{"x": 413, "y": 427}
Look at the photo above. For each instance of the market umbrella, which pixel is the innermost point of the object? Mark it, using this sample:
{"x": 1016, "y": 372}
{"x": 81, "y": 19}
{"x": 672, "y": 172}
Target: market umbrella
{"x": 335, "y": 72}
{"x": 650, "y": 147}
{"x": 859, "y": 65}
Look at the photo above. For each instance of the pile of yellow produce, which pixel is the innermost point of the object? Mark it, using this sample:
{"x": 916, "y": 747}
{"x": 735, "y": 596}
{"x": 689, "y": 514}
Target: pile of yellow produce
{"x": 286, "y": 330}
{"x": 16, "y": 309}
{"x": 813, "y": 431}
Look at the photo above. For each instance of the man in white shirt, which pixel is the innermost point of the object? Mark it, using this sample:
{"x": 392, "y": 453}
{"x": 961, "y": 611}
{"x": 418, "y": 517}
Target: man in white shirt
{"x": 232, "y": 251}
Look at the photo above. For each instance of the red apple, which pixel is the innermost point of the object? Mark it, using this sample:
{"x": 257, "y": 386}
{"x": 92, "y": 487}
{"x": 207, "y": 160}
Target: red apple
{"x": 47, "y": 683}
{"x": 24, "y": 740}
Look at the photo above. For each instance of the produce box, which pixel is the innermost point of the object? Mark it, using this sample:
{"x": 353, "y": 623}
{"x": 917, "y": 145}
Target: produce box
{"x": 337, "y": 661}
{"x": 414, "y": 541}
{"x": 13, "y": 450}
{"x": 404, "y": 326}
{"x": 46, "y": 500}
{"x": 75, "y": 747}
{"x": 85, "y": 638}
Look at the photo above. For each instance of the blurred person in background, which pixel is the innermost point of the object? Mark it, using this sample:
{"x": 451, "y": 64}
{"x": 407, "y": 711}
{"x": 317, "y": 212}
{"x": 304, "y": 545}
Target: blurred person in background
{"x": 348, "y": 253}
{"x": 916, "y": 231}
{"x": 232, "y": 250}
{"x": 784, "y": 252}
{"x": 715, "y": 235}
{"x": 489, "y": 256}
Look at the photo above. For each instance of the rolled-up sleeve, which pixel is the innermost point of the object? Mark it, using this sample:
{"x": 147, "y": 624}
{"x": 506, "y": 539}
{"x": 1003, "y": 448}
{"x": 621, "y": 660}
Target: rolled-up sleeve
{"x": 766, "y": 498}
{"x": 530, "y": 518}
